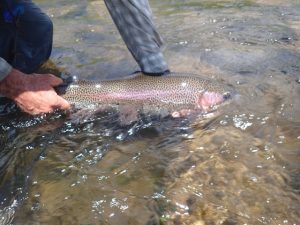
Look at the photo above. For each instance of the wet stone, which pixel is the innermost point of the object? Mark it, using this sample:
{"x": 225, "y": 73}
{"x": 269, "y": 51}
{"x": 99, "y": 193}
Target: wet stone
{"x": 230, "y": 221}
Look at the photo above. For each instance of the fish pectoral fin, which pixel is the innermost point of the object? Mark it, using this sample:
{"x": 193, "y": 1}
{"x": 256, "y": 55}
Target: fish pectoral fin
{"x": 128, "y": 114}
{"x": 81, "y": 116}
{"x": 85, "y": 114}
{"x": 156, "y": 110}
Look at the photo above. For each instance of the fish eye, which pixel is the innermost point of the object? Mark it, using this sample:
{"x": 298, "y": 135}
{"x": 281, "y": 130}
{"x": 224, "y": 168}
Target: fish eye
{"x": 226, "y": 95}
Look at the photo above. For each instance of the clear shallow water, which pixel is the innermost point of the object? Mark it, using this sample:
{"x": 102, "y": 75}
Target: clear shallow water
{"x": 241, "y": 168}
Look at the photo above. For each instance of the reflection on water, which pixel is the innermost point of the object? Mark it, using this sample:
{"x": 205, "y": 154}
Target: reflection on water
{"x": 240, "y": 168}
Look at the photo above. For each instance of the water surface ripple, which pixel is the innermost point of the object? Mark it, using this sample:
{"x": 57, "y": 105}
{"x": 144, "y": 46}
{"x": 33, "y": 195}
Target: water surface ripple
{"x": 241, "y": 168}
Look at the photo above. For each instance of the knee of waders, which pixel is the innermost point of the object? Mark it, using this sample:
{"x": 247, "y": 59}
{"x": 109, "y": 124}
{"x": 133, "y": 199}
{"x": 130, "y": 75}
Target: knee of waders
{"x": 33, "y": 43}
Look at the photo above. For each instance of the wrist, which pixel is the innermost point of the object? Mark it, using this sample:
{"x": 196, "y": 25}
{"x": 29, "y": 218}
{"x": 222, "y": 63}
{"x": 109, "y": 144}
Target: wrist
{"x": 13, "y": 84}
{"x": 5, "y": 68}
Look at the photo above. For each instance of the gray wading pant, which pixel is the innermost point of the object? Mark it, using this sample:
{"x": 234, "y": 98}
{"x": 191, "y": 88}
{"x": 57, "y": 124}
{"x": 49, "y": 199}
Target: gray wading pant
{"x": 26, "y": 34}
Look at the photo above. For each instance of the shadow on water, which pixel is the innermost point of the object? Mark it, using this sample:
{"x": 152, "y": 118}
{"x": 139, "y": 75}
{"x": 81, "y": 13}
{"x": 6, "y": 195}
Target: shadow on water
{"x": 239, "y": 168}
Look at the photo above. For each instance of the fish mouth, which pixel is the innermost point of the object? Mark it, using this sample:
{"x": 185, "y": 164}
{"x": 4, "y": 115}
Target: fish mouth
{"x": 209, "y": 101}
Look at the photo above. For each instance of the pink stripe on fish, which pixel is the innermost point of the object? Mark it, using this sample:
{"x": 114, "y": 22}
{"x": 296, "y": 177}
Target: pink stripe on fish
{"x": 137, "y": 95}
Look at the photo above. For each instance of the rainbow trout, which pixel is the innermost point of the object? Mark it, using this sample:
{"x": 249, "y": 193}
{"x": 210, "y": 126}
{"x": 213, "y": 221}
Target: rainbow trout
{"x": 176, "y": 94}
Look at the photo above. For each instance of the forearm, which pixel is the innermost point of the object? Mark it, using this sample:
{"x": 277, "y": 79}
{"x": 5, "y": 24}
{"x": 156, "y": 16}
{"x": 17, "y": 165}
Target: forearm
{"x": 7, "y": 76}
{"x": 133, "y": 19}
{"x": 13, "y": 84}
{"x": 5, "y": 69}
{"x": 33, "y": 93}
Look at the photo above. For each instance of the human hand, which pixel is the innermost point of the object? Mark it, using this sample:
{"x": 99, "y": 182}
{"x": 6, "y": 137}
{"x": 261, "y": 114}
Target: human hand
{"x": 33, "y": 93}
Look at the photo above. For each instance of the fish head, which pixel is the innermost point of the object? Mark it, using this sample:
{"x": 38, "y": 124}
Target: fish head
{"x": 214, "y": 94}
{"x": 209, "y": 101}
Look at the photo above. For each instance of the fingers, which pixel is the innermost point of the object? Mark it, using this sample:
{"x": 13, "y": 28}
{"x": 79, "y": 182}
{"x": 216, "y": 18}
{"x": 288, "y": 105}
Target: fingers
{"x": 48, "y": 79}
{"x": 176, "y": 114}
{"x": 54, "y": 81}
{"x": 182, "y": 113}
{"x": 62, "y": 104}
{"x": 35, "y": 103}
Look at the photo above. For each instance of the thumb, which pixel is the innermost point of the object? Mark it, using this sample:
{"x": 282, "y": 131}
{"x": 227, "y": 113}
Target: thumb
{"x": 54, "y": 81}
{"x": 50, "y": 79}
{"x": 62, "y": 103}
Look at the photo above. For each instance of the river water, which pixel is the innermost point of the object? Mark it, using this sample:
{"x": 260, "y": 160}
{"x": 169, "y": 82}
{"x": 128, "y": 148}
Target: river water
{"x": 240, "y": 168}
